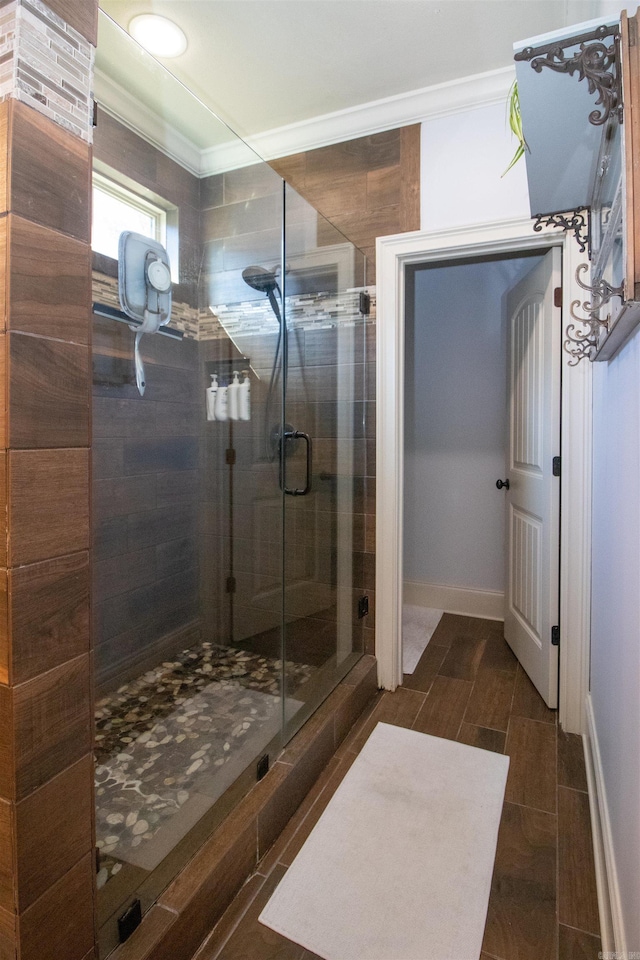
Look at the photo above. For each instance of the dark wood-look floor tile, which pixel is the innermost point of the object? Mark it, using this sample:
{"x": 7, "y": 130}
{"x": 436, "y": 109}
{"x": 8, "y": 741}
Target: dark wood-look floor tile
{"x": 482, "y": 737}
{"x": 62, "y": 915}
{"x": 45, "y": 154}
{"x": 531, "y": 745}
{"x": 49, "y": 614}
{"x": 498, "y": 654}
{"x": 273, "y": 856}
{"x": 142, "y": 941}
{"x": 521, "y": 919}
{"x": 347, "y": 744}
{"x": 230, "y": 919}
{"x": 443, "y": 710}
{"x": 571, "y": 768}
{"x": 308, "y": 823}
{"x": 49, "y": 509}
{"x": 451, "y": 625}
{"x": 83, "y": 17}
{"x": 52, "y": 716}
{"x": 490, "y": 702}
{"x": 56, "y": 818}
{"x": 49, "y": 387}
{"x": 463, "y": 658}
{"x": 577, "y": 896}
{"x": 252, "y": 940}
{"x": 426, "y": 669}
{"x": 400, "y": 710}
{"x": 7, "y": 873}
{"x": 578, "y": 945}
{"x": 527, "y": 702}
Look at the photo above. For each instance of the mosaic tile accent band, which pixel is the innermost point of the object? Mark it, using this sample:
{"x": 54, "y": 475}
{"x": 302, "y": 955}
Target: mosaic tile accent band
{"x": 309, "y": 311}
{"x": 183, "y": 317}
{"x": 46, "y": 64}
{"x": 306, "y": 312}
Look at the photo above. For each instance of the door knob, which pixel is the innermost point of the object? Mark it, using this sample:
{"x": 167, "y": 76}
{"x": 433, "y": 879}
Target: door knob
{"x": 502, "y": 483}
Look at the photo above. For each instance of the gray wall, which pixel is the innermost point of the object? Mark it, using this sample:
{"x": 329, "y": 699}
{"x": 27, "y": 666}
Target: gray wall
{"x": 456, "y": 423}
{"x": 615, "y": 636}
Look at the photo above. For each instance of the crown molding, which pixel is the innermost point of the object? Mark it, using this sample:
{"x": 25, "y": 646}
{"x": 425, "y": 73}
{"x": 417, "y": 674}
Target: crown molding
{"x": 127, "y": 109}
{"x": 429, "y": 103}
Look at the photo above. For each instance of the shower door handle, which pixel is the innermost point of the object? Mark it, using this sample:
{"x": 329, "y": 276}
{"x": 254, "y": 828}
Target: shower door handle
{"x": 295, "y": 435}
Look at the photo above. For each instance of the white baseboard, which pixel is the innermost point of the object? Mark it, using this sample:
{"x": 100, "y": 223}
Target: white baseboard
{"x": 486, "y": 604}
{"x": 611, "y": 922}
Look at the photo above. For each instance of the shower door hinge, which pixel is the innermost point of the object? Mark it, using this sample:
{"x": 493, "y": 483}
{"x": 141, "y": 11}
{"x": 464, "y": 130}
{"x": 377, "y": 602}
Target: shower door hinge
{"x": 94, "y": 119}
{"x": 262, "y": 767}
{"x": 557, "y": 297}
{"x": 363, "y": 607}
{"x": 555, "y": 636}
{"x": 231, "y": 584}
{"x": 556, "y": 466}
{"x": 365, "y": 303}
{"x": 129, "y": 921}
{"x": 231, "y": 456}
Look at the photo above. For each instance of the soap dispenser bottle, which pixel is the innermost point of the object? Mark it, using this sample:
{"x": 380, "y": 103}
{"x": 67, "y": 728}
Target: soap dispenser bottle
{"x": 211, "y": 397}
{"x": 232, "y": 396}
{"x": 221, "y": 409}
{"x": 244, "y": 397}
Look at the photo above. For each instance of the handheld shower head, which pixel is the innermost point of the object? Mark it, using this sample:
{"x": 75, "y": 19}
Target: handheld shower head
{"x": 260, "y": 279}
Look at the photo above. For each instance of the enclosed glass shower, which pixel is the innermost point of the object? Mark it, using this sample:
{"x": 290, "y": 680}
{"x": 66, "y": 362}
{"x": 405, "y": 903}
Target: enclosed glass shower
{"x": 225, "y": 596}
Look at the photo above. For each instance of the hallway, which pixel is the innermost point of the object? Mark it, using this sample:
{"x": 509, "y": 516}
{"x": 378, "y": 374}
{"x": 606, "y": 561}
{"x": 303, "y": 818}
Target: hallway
{"x": 468, "y": 686}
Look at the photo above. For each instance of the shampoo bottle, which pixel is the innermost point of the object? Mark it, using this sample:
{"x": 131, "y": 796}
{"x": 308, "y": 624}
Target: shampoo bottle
{"x": 221, "y": 404}
{"x": 233, "y": 396}
{"x": 211, "y": 397}
{"x": 244, "y": 397}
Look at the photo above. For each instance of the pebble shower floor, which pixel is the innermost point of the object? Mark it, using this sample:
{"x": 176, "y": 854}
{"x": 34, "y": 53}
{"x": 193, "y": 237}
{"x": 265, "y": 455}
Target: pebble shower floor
{"x": 162, "y": 738}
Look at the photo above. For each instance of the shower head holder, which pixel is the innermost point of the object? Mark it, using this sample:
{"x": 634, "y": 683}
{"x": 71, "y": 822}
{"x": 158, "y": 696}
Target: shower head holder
{"x": 144, "y": 288}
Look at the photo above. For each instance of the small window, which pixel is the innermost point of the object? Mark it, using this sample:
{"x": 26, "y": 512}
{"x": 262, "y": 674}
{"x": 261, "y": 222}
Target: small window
{"x": 115, "y": 208}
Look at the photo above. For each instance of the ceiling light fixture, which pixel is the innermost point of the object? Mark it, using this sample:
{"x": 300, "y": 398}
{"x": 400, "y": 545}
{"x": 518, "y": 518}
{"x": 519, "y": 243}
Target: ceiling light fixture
{"x": 161, "y": 37}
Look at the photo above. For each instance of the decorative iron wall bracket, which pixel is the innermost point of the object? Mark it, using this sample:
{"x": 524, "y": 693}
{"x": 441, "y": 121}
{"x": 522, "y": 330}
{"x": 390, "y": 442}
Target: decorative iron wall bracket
{"x": 577, "y": 221}
{"x": 582, "y": 339}
{"x": 598, "y": 63}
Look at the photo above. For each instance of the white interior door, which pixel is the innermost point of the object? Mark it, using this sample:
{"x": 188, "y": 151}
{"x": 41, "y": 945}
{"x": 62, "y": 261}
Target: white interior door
{"x": 533, "y": 497}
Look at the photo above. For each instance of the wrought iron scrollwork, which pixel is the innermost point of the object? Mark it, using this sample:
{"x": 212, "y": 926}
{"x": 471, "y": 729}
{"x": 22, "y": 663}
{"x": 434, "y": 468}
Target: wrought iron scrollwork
{"x": 578, "y": 222}
{"x": 582, "y": 340}
{"x": 596, "y": 62}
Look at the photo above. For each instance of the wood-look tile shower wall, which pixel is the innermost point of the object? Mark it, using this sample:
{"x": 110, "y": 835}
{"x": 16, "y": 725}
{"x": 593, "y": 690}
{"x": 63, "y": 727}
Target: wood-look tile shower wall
{"x": 46, "y": 846}
{"x": 146, "y": 450}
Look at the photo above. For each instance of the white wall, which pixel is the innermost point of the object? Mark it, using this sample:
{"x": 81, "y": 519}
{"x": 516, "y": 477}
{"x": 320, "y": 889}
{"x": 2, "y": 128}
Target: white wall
{"x": 463, "y": 157}
{"x": 456, "y": 423}
{"x": 615, "y": 637}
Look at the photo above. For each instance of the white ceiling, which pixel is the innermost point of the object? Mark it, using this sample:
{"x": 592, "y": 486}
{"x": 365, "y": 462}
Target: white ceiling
{"x": 266, "y": 64}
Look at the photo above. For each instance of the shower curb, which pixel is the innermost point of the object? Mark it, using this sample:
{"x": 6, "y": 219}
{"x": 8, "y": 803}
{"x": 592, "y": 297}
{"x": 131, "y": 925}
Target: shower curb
{"x": 177, "y": 924}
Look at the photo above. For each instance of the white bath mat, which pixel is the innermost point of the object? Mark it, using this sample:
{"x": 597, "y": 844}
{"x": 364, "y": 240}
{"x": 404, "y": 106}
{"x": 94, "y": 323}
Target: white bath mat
{"x": 418, "y": 626}
{"x": 399, "y": 865}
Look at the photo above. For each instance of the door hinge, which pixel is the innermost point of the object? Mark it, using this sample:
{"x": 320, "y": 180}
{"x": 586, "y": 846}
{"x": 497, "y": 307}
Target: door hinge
{"x": 230, "y": 457}
{"x": 557, "y": 297}
{"x": 262, "y": 766}
{"x": 365, "y": 303}
{"x": 231, "y": 584}
{"x": 363, "y": 606}
{"x": 556, "y": 465}
{"x": 555, "y": 636}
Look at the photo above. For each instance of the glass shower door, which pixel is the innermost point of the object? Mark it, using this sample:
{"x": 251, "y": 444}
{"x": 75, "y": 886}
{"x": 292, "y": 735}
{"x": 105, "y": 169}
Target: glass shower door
{"x": 323, "y": 454}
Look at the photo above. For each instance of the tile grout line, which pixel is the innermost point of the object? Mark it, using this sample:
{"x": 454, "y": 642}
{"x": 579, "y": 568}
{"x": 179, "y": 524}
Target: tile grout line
{"x": 235, "y": 926}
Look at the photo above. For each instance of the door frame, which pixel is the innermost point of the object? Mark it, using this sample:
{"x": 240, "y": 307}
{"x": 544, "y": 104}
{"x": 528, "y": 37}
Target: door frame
{"x": 394, "y": 253}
